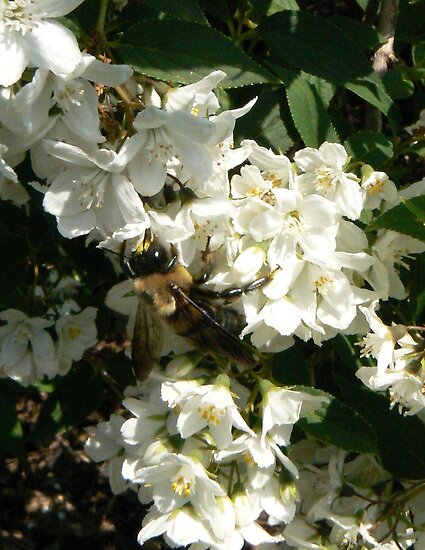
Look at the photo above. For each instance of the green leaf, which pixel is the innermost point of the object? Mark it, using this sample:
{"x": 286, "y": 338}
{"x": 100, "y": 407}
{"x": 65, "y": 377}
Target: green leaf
{"x": 216, "y": 8}
{"x": 326, "y": 90}
{"x": 396, "y": 85}
{"x": 418, "y": 54}
{"x": 416, "y": 289}
{"x": 358, "y": 31}
{"x": 372, "y": 93}
{"x": 401, "y": 219}
{"x": 337, "y": 424}
{"x": 185, "y": 52}
{"x": 363, "y": 4}
{"x": 369, "y": 147}
{"x": 264, "y": 124}
{"x": 188, "y": 10}
{"x": 261, "y": 8}
{"x": 292, "y": 366}
{"x": 86, "y": 15}
{"x": 307, "y": 110}
{"x": 77, "y": 394}
{"x": 416, "y": 206}
{"x": 11, "y": 436}
{"x": 400, "y": 439}
{"x": 315, "y": 45}
{"x": 410, "y": 22}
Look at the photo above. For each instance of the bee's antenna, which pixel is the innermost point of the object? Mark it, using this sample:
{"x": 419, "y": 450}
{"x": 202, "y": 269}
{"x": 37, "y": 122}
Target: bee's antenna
{"x": 120, "y": 254}
{"x": 176, "y": 180}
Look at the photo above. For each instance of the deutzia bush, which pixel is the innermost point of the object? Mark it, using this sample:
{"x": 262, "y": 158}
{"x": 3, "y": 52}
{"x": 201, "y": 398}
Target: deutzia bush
{"x": 101, "y": 151}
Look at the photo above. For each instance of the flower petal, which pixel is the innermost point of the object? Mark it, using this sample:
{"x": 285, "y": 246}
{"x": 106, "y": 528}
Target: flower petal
{"x": 13, "y": 59}
{"x": 52, "y": 46}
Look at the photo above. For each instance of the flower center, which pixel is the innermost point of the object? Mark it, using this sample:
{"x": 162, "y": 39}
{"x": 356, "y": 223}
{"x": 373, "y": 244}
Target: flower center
{"x": 182, "y": 486}
{"x": 211, "y": 413}
{"x": 377, "y": 186}
{"x": 370, "y": 345}
{"x": 20, "y": 16}
{"x": 160, "y": 149}
{"x": 90, "y": 189}
{"x": 73, "y": 332}
{"x": 325, "y": 180}
{"x": 294, "y": 223}
{"x": 249, "y": 461}
{"x": 273, "y": 177}
{"x": 70, "y": 93}
{"x": 322, "y": 284}
{"x": 21, "y": 335}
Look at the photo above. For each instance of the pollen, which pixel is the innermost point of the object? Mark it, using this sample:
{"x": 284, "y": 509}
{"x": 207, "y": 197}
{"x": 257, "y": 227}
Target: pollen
{"x": 325, "y": 180}
{"x": 272, "y": 176}
{"x": 18, "y": 16}
{"x": 377, "y": 186}
{"x": 181, "y": 486}
{"x": 322, "y": 284}
{"x": 73, "y": 332}
{"x": 269, "y": 198}
{"x": 249, "y": 461}
{"x": 21, "y": 335}
{"x": 211, "y": 414}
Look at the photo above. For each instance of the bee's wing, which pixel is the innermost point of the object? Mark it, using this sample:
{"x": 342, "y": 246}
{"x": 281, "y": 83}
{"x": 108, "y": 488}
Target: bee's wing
{"x": 147, "y": 341}
{"x": 206, "y": 332}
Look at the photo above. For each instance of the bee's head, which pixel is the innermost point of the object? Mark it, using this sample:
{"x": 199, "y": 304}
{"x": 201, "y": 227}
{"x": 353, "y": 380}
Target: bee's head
{"x": 150, "y": 257}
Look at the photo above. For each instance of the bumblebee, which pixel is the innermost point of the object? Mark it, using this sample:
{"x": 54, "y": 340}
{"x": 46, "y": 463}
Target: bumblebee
{"x": 167, "y": 292}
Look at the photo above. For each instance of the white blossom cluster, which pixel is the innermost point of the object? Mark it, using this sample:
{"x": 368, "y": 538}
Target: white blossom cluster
{"x": 32, "y": 348}
{"x": 398, "y": 363}
{"x": 346, "y": 500}
{"x": 216, "y": 477}
{"x": 210, "y": 451}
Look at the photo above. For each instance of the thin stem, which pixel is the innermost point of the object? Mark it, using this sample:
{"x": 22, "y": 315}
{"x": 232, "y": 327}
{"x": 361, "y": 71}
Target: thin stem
{"x": 122, "y": 92}
{"x": 385, "y": 55}
{"x": 100, "y": 25}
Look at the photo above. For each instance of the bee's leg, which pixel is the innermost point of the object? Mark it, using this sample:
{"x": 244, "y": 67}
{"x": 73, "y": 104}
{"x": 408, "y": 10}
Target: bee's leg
{"x": 205, "y": 273}
{"x": 230, "y": 294}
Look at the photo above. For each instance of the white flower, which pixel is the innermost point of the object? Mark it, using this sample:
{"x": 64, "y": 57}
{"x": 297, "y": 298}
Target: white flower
{"x": 274, "y": 168}
{"x": 207, "y": 221}
{"x": 27, "y": 351}
{"x": 10, "y": 188}
{"x": 77, "y": 332}
{"x": 178, "y": 480}
{"x": 150, "y": 419}
{"x": 302, "y": 536}
{"x": 296, "y": 224}
{"x": 176, "y": 140}
{"x": 402, "y": 376}
{"x": 378, "y": 187}
{"x": 5, "y": 170}
{"x": 209, "y": 406}
{"x": 324, "y": 174}
{"x": 72, "y": 93}
{"x": 28, "y": 35}
{"x": 90, "y": 193}
{"x": 180, "y": 528}
{"x": 250, "y": 183}
{"x": 105, "y": 444}
{"x": 389, "y": 249}
{"x": 381, "y": 343}
{"x": 281, "y": 410}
